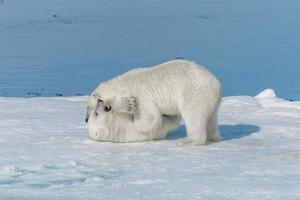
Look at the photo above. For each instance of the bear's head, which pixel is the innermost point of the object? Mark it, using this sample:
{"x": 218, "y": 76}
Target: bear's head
{"x": 109, "y": 118}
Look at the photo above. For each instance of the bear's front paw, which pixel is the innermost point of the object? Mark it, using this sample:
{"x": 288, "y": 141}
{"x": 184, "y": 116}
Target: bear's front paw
{"x": 126, "y": 104}
{"x": 131, "y": 104}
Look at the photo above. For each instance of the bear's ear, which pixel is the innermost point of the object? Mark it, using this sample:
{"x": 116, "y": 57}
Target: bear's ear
{"x": 124, "y": 104}
{"x": 95, "y": 95}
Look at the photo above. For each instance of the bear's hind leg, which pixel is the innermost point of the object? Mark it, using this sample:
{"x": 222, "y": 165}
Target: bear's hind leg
{"x": 212, "y": 128}
{"x": 196, "y": 127}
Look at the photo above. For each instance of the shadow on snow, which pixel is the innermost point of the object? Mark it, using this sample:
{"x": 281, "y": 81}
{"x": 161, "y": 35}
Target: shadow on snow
{"x": 227, "y": 132}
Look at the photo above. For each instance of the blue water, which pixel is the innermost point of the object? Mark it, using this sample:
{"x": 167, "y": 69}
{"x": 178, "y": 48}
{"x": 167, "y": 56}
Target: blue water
{"x": 53, "y": 48}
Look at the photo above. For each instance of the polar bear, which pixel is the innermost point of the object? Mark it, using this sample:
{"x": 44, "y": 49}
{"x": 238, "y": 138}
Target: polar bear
{"x": 148, "y": 103}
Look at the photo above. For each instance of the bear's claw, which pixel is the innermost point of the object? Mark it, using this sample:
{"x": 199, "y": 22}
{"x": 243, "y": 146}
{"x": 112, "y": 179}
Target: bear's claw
{"x": 131, "y": 104}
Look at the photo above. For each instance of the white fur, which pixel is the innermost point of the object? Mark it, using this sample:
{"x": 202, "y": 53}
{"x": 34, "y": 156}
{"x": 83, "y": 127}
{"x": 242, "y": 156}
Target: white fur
{"x": 148, "y": 103}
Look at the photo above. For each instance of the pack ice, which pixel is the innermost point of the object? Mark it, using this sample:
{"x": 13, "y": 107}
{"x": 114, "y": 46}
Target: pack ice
{"x": 46, "y": 153}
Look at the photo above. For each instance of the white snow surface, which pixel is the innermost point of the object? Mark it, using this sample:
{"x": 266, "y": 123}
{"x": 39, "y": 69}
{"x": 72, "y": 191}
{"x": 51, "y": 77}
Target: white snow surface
{"x": 46, "y": 153}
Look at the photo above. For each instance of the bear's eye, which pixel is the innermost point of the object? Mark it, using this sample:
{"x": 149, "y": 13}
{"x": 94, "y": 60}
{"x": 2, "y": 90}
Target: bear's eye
{"x": 100, "y": 101}
{"x": 107, "y": 108}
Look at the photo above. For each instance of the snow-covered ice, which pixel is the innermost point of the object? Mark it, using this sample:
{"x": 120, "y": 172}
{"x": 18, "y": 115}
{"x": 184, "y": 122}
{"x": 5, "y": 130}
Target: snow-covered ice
{"x": 46, "y": 153}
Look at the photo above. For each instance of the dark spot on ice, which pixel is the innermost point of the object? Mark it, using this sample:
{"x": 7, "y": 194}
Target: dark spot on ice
{"x": 179, "y": 58}
{"x": 291, "y": 100}
{"x": 201, "y": 17}
{"x": 58, "y": 95}
{"x": 34, "y": 94}
{"x": 227, "y": 132}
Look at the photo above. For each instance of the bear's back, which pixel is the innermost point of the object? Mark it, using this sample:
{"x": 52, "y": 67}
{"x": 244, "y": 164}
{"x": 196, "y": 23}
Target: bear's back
{"x": 163, "y": 83}
{"x": 168, "y": 71}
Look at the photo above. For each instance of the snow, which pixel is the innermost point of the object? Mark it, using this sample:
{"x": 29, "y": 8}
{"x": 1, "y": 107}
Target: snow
{"x": 46, "y": 153}
{"x": 268, "y": 98}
